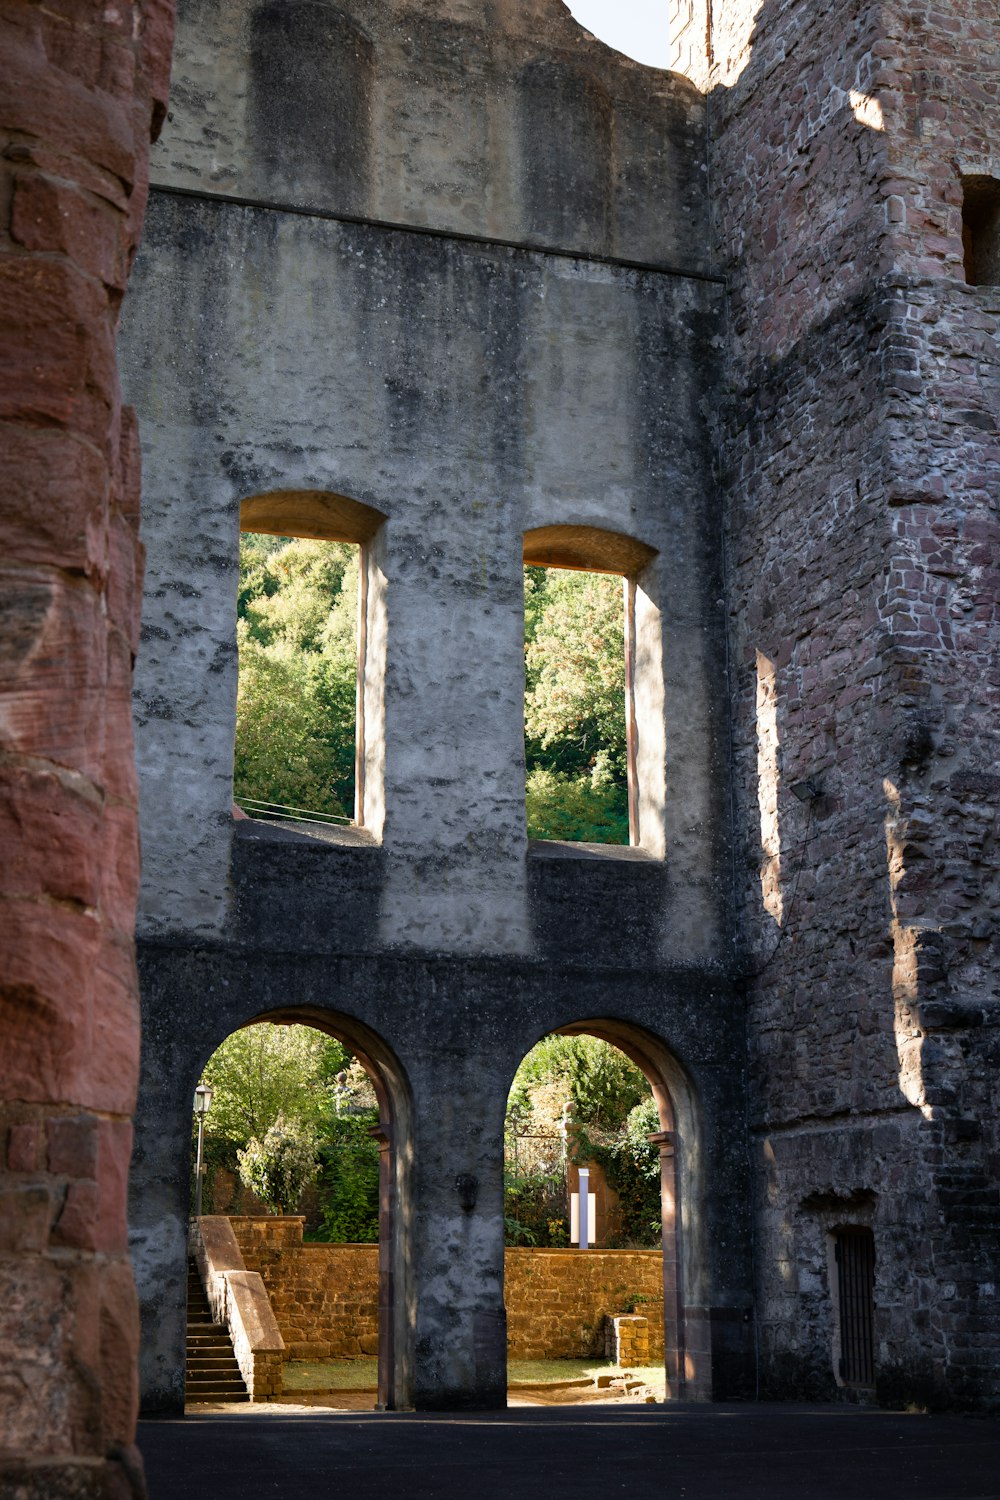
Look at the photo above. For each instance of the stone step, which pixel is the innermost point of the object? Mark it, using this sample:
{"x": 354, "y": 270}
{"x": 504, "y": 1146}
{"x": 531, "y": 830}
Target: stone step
{"x": 218, "y": 1392}
{"x": 212, "y": 1371}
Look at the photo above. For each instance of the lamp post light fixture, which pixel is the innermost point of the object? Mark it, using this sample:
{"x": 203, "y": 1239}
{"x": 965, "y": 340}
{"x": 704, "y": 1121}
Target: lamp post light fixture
{"x": 202, "y": 1104}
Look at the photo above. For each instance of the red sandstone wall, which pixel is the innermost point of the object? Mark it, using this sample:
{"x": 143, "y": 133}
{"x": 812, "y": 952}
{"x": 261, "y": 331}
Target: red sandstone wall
{"x": 82, "y": 88}
{"x": 860, "y": 455}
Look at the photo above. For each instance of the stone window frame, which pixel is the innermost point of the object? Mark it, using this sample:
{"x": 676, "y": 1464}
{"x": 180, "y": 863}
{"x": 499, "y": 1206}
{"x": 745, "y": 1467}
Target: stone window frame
{"x": 325, "y": 516}
{"x": 594, "y": 549}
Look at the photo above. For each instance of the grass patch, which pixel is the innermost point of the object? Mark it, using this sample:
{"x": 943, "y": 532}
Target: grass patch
{"x": 362, "y": 1374}
{"x": 553, "y": 1371}
{"x": 557, "y": 1371}
{"x": 330, "y": 1374}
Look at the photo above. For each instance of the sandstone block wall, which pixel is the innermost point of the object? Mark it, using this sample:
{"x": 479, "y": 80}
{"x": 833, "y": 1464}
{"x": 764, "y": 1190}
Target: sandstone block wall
{"x": 558, "y": 1300}
{"x": 82, "y": 89}
{"x": 325, "y": 1297}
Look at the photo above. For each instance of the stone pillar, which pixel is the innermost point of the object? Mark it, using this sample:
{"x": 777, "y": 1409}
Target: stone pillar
{"x": 686, "y": 1367}
{"x": 386, "y": 1299}
{"x": 83, "y": 89}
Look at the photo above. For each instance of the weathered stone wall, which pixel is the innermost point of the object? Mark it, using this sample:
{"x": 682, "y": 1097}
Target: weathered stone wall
{"x": 860, "y": 453}
{"x": 82, "y": 90}
{"x": 325, "y": 1297}
{"x": 494, "y": 313}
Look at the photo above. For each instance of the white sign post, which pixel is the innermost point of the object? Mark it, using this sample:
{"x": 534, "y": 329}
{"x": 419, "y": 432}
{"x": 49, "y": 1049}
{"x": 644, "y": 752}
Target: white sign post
{"x": 582, "y": 1213}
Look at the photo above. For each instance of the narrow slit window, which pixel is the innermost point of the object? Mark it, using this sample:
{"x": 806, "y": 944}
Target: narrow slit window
{"x": 854, "y": 1250}
{"x": 578, "y": 710}
{"x": 296, "y": 754}
{"x": 981, "y": 230}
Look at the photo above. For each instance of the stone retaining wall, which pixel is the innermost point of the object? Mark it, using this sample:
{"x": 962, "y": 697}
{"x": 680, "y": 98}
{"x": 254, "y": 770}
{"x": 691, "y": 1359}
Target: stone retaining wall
{"x": 325, "y": 1297}
{"x": 557, "y": 1300}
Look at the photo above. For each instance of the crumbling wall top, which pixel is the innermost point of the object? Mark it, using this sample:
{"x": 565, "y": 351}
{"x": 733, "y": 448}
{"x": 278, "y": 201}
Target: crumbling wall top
{"x": 514, "y": 124}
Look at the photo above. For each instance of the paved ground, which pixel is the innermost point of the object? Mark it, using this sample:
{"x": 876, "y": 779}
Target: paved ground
{"x": 753, "y": 1452}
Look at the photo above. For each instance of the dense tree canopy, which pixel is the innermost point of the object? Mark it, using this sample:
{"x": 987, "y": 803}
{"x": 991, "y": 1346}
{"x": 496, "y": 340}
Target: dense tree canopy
{"x": 295, "y": 710}
{"x": 574, "y": 706}
{"x": 265, "y": 1071}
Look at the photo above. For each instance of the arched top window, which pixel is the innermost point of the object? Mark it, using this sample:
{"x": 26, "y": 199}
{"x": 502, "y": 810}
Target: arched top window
{"x": 588, "y": 549}
{"x": 582, "y": 727}
{"x": 315, "y": 514}
{"x": 305, "y": 682}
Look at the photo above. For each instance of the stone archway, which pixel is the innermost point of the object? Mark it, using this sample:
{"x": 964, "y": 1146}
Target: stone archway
{"x": 687, "y": 1350}
{"x": 387, "y": 1081}
{"x": 160, "y": 1194}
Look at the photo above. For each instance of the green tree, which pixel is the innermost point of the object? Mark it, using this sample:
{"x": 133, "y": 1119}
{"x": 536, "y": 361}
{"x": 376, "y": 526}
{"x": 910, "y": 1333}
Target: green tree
{"x": 265, "y": 1071}
{"x": 296, "y": 704}
{"x": 560, "y": 806}
{"x": 602, "y": 1082}
{"x": 349, "y": 1179}
{"x": 282, "y": 753}
{"x": 574, "y": 707}
{"x": 278, "y": 1166}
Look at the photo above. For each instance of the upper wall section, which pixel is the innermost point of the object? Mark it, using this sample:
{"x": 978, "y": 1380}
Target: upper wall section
{"x": 495, "y": 118}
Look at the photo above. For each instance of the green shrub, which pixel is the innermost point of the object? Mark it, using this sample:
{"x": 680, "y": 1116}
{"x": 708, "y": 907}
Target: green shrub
{"x": 349, "y": 1180}
{"x": 278, "y": 1167}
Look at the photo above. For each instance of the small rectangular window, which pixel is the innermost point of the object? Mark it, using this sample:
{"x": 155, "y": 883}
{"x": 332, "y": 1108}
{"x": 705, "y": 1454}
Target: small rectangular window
{"x": 579, "y": 706}
{"x": 296, "y": 713}
{"x": 981, "y": 230}
{"x": 855, "y": 1256}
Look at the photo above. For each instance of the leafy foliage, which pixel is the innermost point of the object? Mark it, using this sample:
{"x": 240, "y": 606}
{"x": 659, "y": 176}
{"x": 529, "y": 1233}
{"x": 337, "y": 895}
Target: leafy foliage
{"x": 561, "y": 806}
{"x": 278, "y": 1166}
{"x": 349, "y": 1180}
{"x": 574, "y": 706}
{"x": 613, "y": 1113}
{"x": 602, "y": 1082}
{"x": 534, "y": 1209}
{"x": 295, "y": 711}
{"x": 632, "y": 1167}
{"x": 265, "y": 1071}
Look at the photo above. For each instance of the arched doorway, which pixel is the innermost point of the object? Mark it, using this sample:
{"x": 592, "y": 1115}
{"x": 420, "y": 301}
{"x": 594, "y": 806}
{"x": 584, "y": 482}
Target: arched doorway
{"x": 675, "y": 1143}
{"x": 387, "y": 1124}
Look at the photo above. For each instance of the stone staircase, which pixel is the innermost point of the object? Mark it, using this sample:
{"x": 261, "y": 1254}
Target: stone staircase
{"x": 212, "y": 1371}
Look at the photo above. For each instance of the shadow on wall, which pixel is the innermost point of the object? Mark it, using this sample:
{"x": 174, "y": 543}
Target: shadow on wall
{"x": 301, "y": 51}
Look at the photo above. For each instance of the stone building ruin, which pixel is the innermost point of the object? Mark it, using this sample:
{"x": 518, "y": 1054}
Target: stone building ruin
{"x": 462, "y": 285}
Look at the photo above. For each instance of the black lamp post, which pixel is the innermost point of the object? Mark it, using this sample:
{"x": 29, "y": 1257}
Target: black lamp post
{"x": 202, "y": 1104}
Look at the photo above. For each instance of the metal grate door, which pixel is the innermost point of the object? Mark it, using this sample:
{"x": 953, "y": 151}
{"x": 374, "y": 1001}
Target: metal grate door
{"x": 855, "y": 1249}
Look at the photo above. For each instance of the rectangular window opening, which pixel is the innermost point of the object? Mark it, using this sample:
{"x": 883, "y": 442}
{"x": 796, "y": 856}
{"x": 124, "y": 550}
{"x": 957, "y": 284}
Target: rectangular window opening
{"x": 579, "y": 706}
{"x": 299, "y": 701}
{"x": 981, "y": 230}
{"x": 854, "y": 1249}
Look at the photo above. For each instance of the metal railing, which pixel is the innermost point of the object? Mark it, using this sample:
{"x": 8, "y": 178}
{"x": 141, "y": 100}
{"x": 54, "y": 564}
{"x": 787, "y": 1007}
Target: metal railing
{"x": 279, "y": 813}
